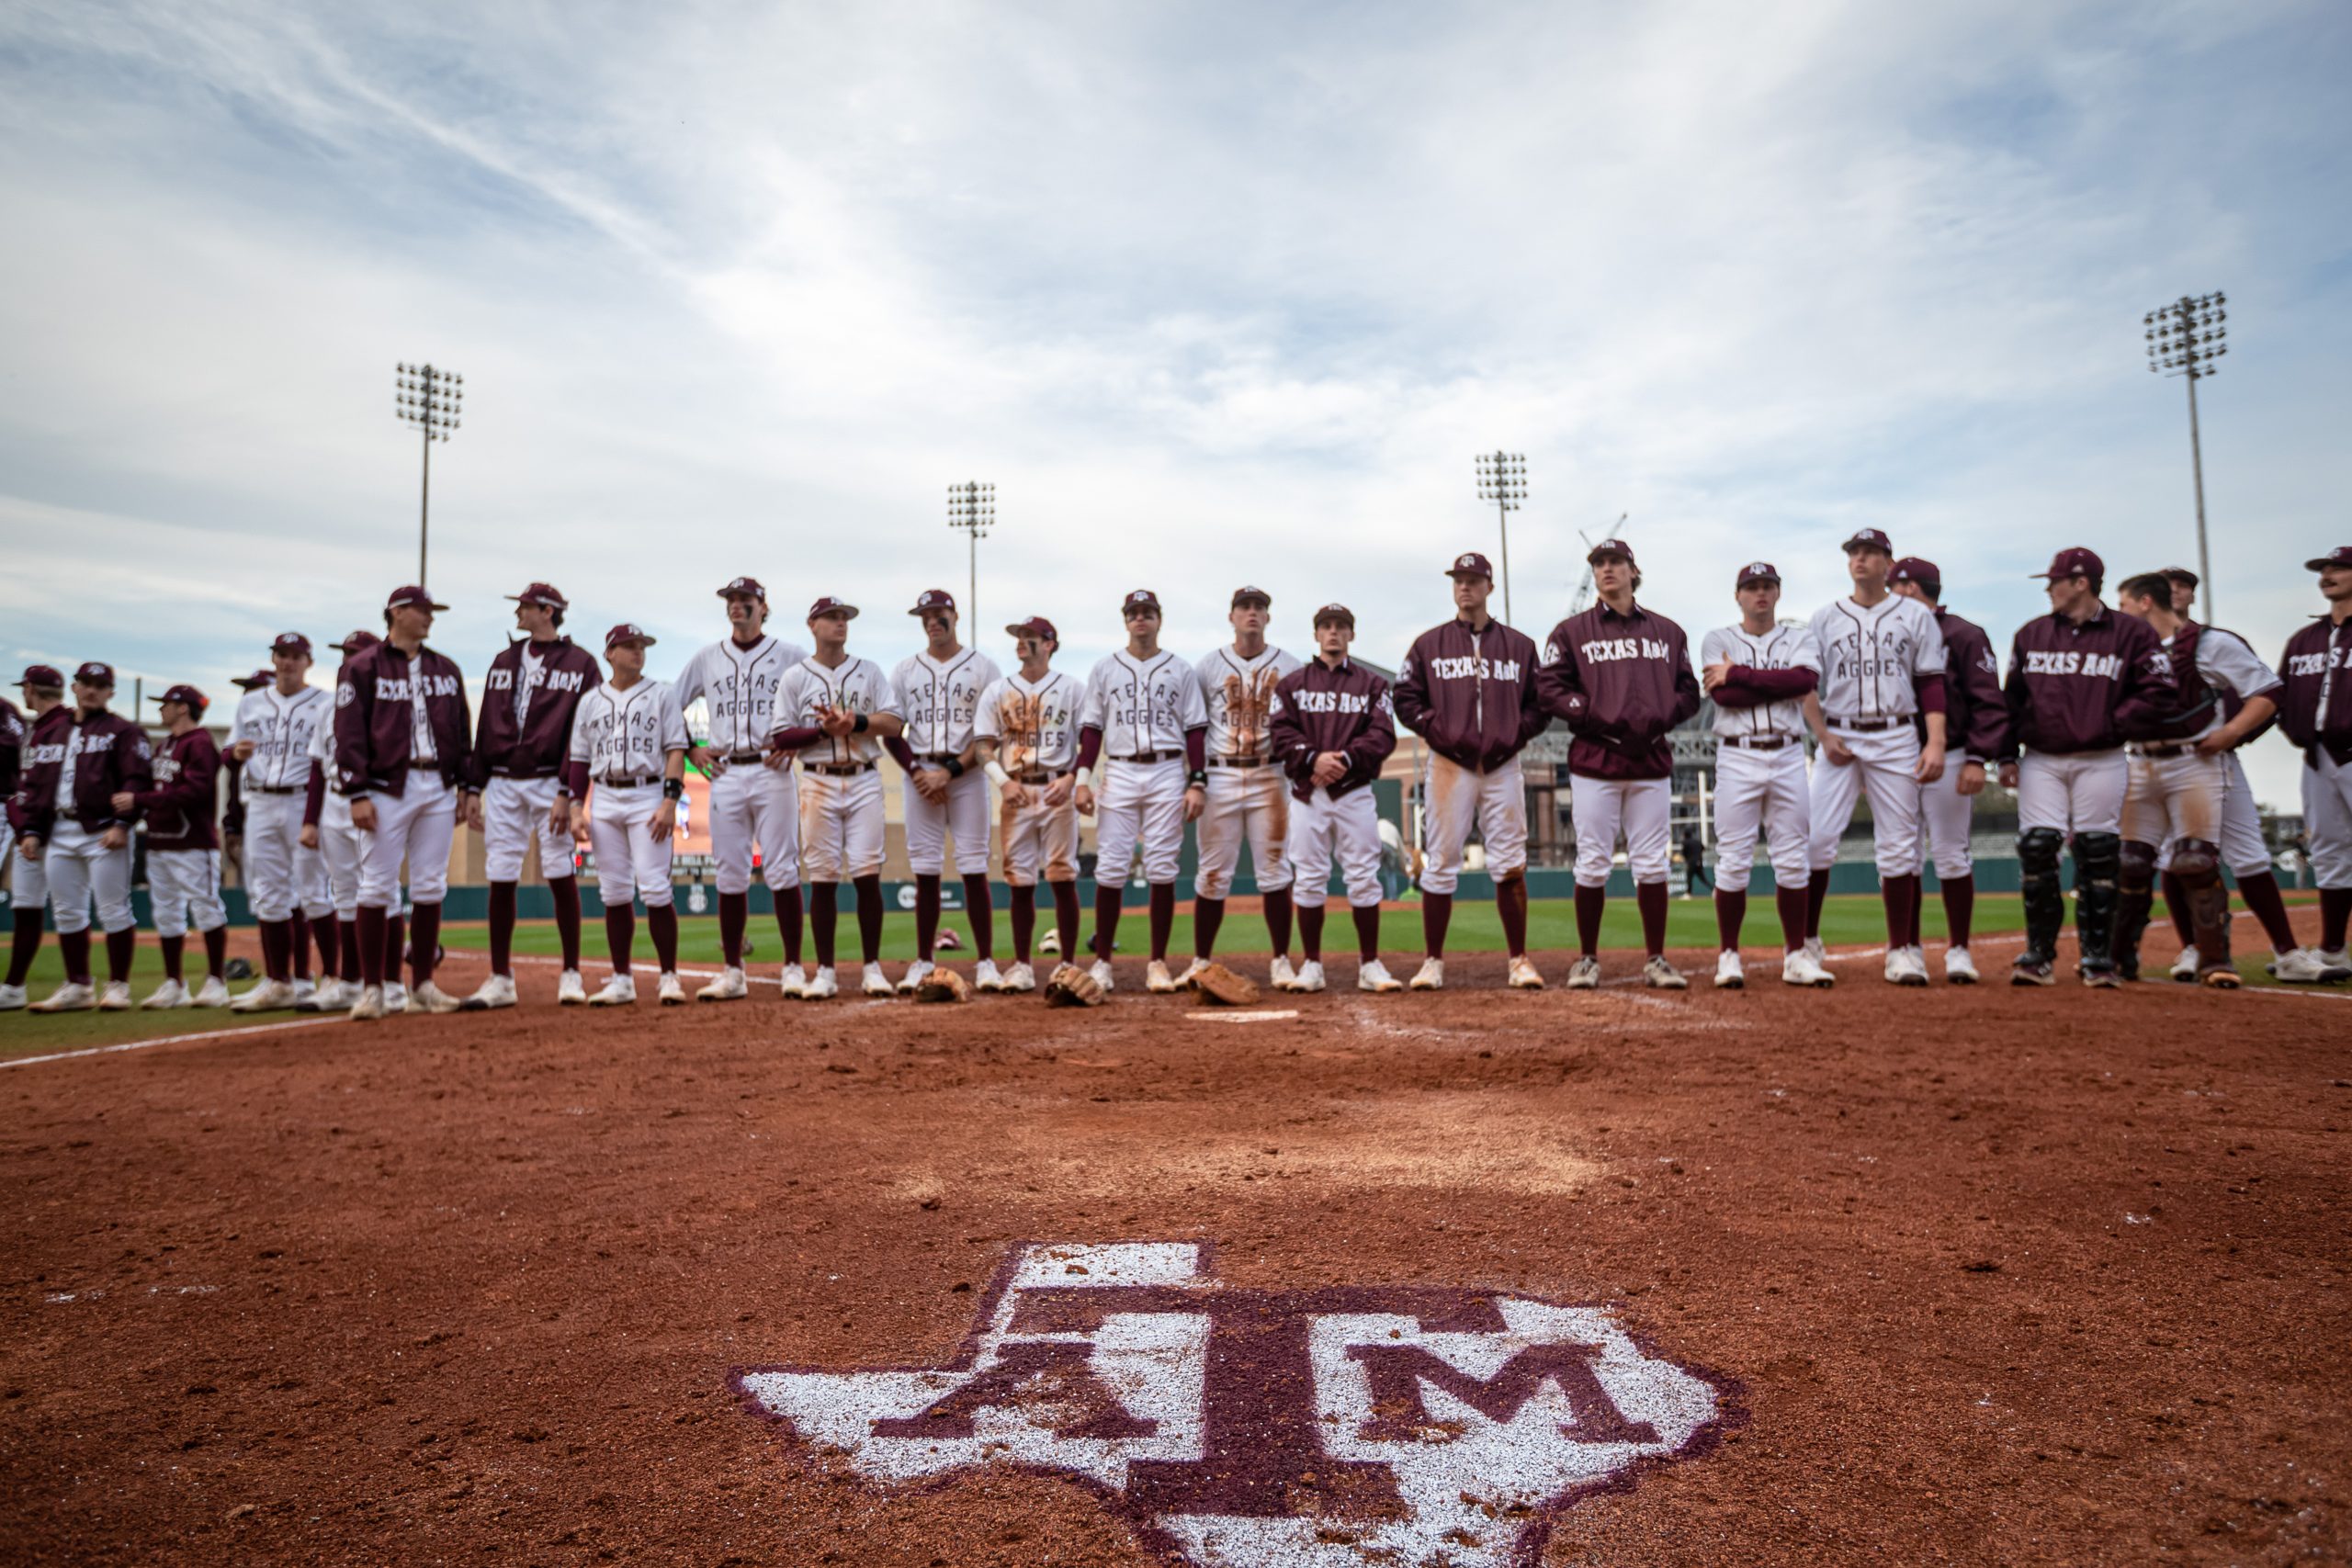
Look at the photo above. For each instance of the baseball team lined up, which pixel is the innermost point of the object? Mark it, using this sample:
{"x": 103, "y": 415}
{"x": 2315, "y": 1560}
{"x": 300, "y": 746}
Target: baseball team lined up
{"x": 2117, "y": 725}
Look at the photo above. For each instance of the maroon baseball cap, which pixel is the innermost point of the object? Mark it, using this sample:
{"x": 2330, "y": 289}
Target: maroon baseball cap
{"x": 1618, "y": 547}
{"x": 628, "y": 631}
{"x": 543, "y": 594}
{"x": 43, "y": 675}
{"x": 2339, "y": 556}
{"x": 1470, "y": 563}
{"x": 188, "y": 696}
{"x": 2182, "y": 574}
{"x": 95, "y": 674}
{"x": 931, "y": 599}
{"x": 1330, "y": 613}
{"x": 290, "y": 642}
{"x": 828, "y": 604}
{"x": 1869, "y": 539}
{"x": 748, "y": 586}
{"x": 401, "y": 598}
{"x": 356, "y": 642}
{"x": 255, "y": 682}
{"x": 1141, "y": 599}
{"x": 1912, "y": 568}
{"x": 2075, "y": 561}
{"x": 1758, "y": 572}
{"x": 1259, "y": 596}
{"x": 1037, "y": 626}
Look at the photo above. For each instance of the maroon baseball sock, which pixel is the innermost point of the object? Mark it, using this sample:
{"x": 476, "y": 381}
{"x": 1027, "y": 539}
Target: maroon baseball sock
{"x": 662, "y": 920}
{"x": 1163, "y": 918}
{"x": 1437, "y": 913}
{"x": 122, "y": 946}
{"x": 869, "y": 917}
{"x": 1897, "y": 893}
{"x": 172, "y": 946}
{"x": 980, "y": 913}
{"x": 1650, "y": 898}
{"x": 824, "y": 919}
{"x": 1918, "y": 898}
{"x": 2335, "y": 909}
{"x": 24, "y": 945}
{"x": 1278, "y": 918}
{"x": 1107, "y": 920}
{"x": 322, "y": 932}
{"x": 1310, "y": 931}
{"x": 1208, "y": 915}
{"x": 298, "y": 945}
{"x": 274, "y": 938}
{"x": 1025, "y": 921}
{"x": 1066, "y": 918}
{"x": 1960, "y": 909}
{"x": 349, "y": 930}
{"x": 734, "y": 914}
{"x": 1791, "y": 902}
{"x": 566, "y": 893}
{"x": 2260, "y": 891}
{"x": 502, "y": 897}
{"x": 1731, "y": 913}
{"x": 73, "y": 951}
{"x": 620, "y": 934}
{"x": 216, "y": 953}
{"x": 372, "y": 937}
{"x": 1816, "y": 895}
{"x": 1367, "y": 917}
{"x": 789, "y": 911}
{"x": 424, "y": 941}
{"x": 1510, "y": 903}
{"x": 1592, "y": 904}
{"x": 926, "y": 914}
{"x": 2176, "y": 907}
{"x": 395, "y": 944}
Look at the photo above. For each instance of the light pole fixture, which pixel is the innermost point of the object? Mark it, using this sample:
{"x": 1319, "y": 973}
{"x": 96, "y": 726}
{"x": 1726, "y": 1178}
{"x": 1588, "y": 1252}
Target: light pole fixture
{"x": 1503, "y": 478}
{"x": 2183, "y": 339}
{"x": 971, "y": 506}
{"x": 428, "y": 397}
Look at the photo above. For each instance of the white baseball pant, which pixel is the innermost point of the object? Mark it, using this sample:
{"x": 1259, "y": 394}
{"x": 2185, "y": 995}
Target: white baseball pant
{"x": 1765, "y": 794}
{"x": 631, "y": 863}
{"x": 1946, "y": 816}
{"x": 417, "y": 826}
{"x": 2327, "y": 821}
{"x": 1347, "y": 828}
{"x": 2173, "y": 797}
{"x": 280, "y": 875}
{"x": 1040, "y": 840}
{"x": 514, "y": 812}
{"x": 1639, "y": 808}
{"x": 342, "y": 847}
{"x": 1458, "y": 797}
{"x": 183, "y": 890}
{"x": 80, "y": 867}
{"x": 841, "y": 825}
{"x": 2244, "y": 849}
{"x": 965, "y": 813}
{"x": 752, "y": 804}
{"x": 28, "y": 879}
{"x": 1141, "y": 802}
{"x": 1255, "y": 801}
{"x": 1882, "y": 766}
{"x": 2080, "y": 792}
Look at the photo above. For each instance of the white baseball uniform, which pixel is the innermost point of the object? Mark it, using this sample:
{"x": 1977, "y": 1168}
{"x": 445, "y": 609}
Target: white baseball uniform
{"x": 342, "y": 847}
{"x": 1246, "y": 794}
{"x": 939, "y": 699}
{"x": 625, "y": 738}
{"x": 1871, "y": 659}
{"x": 515, "y": 811}
{"x": 2172, "y": 792}
{"x": 280, "y": 875}
{"x": 751, "y": 804}
{"x": 840, "y": 786}
{"x": 2073, "y": 792}
{"x": 1143, "y": 707}
{"x": 1761, "y": 785}
{"x": 1035, "y": 730}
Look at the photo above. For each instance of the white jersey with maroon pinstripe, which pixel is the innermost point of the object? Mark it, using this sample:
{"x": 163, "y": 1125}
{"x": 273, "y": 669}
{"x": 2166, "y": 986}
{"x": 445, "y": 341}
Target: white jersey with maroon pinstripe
{"x": 857, "y": 684}
{"x": 1872, "y": 659}
{"x": 939, "y": 698}
{"x": 1238, "y": 692}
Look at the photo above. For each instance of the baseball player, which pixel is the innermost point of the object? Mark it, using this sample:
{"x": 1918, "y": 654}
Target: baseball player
{"x": 402, "y": 738}
{"x": 2179, "y": 784}
{"x": 270, "y": 738}
{"x": 233, "y": 815}
{"x": 522, "y": 742}
{"x": 183, "y": 852}
{"x": 1331, "y": 725}
{"x": 629, "y": 742}
{"x": 2315, "y": 711}
{"x": 1621, "y": 676}
{"x": 1145, "y": 719}
{"x": 834, "y": 714}
{"x": 1882, "y": 666}
{"x": 2082, "y": 680}
{"x": 1759, "y": 672}
{"x": 47, "y": 716}
{"x": 1247, "y": 792}
{"x": 68, "y": 818}
{"x": 1027, "y": 737}
{"x": 939, "y": 695}
{"x": 753, "y": 803}
{"x": 1467, "y": 688}
{"x": 326, "y": 827}
{"x": 1973, "y": 715}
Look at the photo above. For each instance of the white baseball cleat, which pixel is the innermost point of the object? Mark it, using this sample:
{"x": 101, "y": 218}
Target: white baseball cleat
{"x": 170, "y": 994}
{"x": 1372, "y": 974}
{"x": 395, "y": 997}
{"x": 1816, "y": 951}
{"x": 1730, "y": 974}
{"x": 1430, "y": 976}
{"x": 1902, "y": 969}
{"x": 370, "y": 1005}
{"x": 875, "y": 983}
{"x": 917, "y": 973}
{"x": 1051, "y": 941}
{"x": 330, "y": 995}
{"x": 2298, "y": 967}
{"x": 985, "y": 977}
{"x": 729, "y": 987}
{"x": 620, "y": 992}
{"x": 1280, "y": 973}
{"x": 495, "y": 991}
{"x": 1156, "y": 978}
{"x": 1584, "y": 975}
{"x": 214, "y": 993}
{"x": 570, "y": 990}
{"x": 71, "y": 997}
{"x": 1960, "y": 969}
{"x": 304, "y": 989}
{"x": 267, "y": 997}
{"x": 2184, "y": 968}
{"x": 1798, "y": 968}
{"x": 1020, "y": 978}
{"x": 114, "y": 996}
{"x": 1192, "y": 973}
{"x": 796, "y": 983}
{"x": 824, "y": 988}
{"x": 433, "y": 999}
{"x": 1100, "y": 973}
{"x": 671, "y": 992}
{"x": 1522, "y": 974}
{"x": 12, "y": 997}
{"x": 1660, "y": 975}
{"x": 1311, "y": 977}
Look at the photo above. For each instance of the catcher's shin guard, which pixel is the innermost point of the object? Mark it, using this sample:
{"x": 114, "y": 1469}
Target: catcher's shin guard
{"x": 2096, "y": 860}
{"x": 2136, "y": 901}
{"x": 2045, "y": 904}
{"x": 2199, "y": 863}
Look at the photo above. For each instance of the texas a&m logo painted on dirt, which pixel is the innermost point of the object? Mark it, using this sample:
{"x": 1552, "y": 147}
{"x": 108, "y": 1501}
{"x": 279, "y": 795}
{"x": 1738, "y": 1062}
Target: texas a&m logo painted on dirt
{"x": 1332, "y": 1427}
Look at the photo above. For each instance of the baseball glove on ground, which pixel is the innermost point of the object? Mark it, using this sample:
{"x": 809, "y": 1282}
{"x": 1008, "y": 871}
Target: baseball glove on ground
{"x": 1222, "y": 987}
{"x": 943, "y": 985}
{"x": 1071, "y": 986}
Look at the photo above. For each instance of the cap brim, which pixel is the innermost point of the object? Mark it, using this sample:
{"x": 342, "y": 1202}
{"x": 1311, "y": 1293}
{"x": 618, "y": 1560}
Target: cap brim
{"x": 1020, "y": 628}
{"x": 1751, "y": 581}
{"x": 2323, "y": 562}
{"x": 848, "y": 610}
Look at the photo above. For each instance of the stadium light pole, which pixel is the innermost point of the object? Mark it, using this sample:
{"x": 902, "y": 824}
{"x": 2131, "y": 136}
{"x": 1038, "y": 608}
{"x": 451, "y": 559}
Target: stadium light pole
{"x": 428, "y": 397}
{"x": 1503, "y": 478}
{"x": 971, "y": 506}
{"x": 2183, "y": 339}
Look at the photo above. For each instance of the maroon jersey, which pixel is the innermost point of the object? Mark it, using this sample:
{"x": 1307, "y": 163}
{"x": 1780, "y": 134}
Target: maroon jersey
{"x": 1974, "y": 711}
{"x": 104, "y": 755}
{"x": 393, "y": 715}
{"x": 2085, "y": 688}
{"x": 2315, "y": 708}
{"x": 41, "y": 730}
{"x": 181, "y": 808}
{"x": 1471, "y": 694}
{"x": 1317, "y": 708}
{"x": 1622, "y": 681}
{"x": 545, "y": 682}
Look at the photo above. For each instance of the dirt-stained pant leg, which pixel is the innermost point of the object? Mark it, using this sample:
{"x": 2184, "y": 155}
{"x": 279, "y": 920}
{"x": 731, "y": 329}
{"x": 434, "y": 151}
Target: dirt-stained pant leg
{"x": 1449, "y": 808}
{"x": 1040, "y": 840}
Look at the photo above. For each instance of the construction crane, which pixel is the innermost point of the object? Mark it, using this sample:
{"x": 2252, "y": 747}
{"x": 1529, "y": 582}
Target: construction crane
{"x": 1582, "y": 598}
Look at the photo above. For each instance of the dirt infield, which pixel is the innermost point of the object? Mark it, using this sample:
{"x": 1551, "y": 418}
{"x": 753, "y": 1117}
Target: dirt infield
{"x": 1889, "y": 1277}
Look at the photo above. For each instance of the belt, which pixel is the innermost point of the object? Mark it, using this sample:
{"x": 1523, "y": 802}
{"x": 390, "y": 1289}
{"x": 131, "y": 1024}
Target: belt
{"x": 1149, "y": 757}
{"x": 2167, "y": 750}
{"x": 941, "y": 758}
{"x": 1040, "y": 775}
{"x": 1868, "y": 726}
{"x": 531, "y": 777}
{"x": 430, "y": 765}
{"x": 734, "y": 757}
{"x": 1758, "y": 742}
{"x": 837, "y": 769}
{"x": 618, "y": 782}
{"x": 273, "y": 789}
{"x": 1241, "y": 762}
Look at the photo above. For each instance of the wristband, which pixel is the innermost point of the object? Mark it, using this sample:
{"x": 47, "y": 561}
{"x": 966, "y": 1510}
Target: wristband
{"x": 674, "y": 789}
{"x": 1086, "y": 778}
{"x": 857, "y": 725}
{"x": 995, "y": 770}
{"x": 954, "y": 767}
{"x": 1197, "y": 779}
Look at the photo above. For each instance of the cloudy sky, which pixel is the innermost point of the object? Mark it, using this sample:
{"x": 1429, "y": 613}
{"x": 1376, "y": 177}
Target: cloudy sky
{"x": 1211, "y": 293}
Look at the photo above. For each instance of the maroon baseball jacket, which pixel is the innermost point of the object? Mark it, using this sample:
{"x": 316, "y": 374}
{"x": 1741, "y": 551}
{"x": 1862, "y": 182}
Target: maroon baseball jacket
{"x": 1622, "y": 681}
{"x": 112, "y": 757}
{"x": 41, "y": 730}
{"x": 14, "y": 733}
{"x": 537, "y": 750}
{"x": 374, "y": 720}
{"x": 181, "y": 808}
{"x": 2083, "y": 688}
{"x": 1974, "y": 710}
{"x": 1318, "y": 708}
{"x": 1470, "y": 694}
{"x": 2315, "y": 708}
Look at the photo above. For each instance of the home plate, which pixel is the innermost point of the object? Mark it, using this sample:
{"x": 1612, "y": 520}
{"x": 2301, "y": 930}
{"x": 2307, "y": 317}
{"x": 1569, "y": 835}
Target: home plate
{"x": 1227, "y": 1015}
